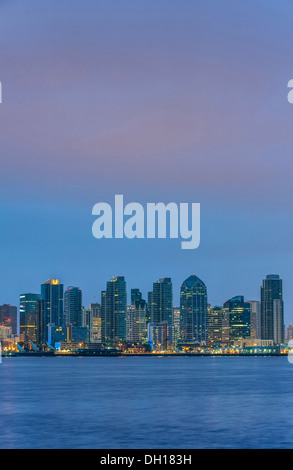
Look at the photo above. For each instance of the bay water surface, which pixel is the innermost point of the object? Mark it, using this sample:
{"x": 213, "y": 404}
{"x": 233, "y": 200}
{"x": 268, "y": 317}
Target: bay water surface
{"x": 146, "y": 402}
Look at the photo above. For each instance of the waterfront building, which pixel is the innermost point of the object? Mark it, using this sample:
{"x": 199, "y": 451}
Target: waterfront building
{"x": 95, "y": 323}
{"x": 52, "y": 296}
{"x": 79, "y": 334}
{"x": 272, "y": 312}
{"x": 289, "y": 333}
{"x": 161, "y": 336}
{"x": 160, "y": 301}
{"x": 28, "y": 316}
{"x": 255, "y": 319}
{"x": 58, "y": 334}
{"x": 193, "y": 311}
{"x": 5, "y": 332}
{"x": 278, "y": 326}
{"x": 176, "y": 322}
{"x": 253, "y": 342}
{"x": 136, "y": 322}
{"x": 214, "y": 326}
{"x": 225, "y": 327}
{"x": 9, "y": 317}
{"x": 239, "y": 318}
{"x": 73, "y": 306}
{"x": 41, "y": 329}
{"x": 113, "y": 311}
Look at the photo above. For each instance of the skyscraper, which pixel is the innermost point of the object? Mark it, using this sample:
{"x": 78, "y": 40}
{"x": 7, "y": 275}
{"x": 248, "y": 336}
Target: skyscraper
{"x": 136, "y": 322}
{"x": 52, "y": 295}
{"x": 113, "y": 311}
{"x": 193, "y": 310}
{"x": 279, "y": 327}
{"x": 289, "y": 333}
{"x": 176, "y": 322}
{"x": 41, "y": 329}
{"x": 225, "y": 326}
{"x": 255, "y": 319}
{"x": 214, "y": 326}
{"x": 95, "y": 323}
{"x": 160, "y": 301}
{"x": 8, "y": 317}
{"x": 73, "y": 306}
{"x": 239, "y": 318}
{"x": 271, "y": 290}
{"x": 28, "y": 314}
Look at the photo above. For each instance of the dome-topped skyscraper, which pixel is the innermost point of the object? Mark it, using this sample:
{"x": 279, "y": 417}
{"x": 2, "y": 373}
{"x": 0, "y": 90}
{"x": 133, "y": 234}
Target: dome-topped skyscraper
{"x": 193, "y": 310}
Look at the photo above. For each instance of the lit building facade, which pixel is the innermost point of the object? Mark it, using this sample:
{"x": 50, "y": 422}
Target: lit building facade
{"x": 271, "y": 290}
{"x": 176, "y": 322}
{"x": 73, "y": 306}
{"x": 161, "y": 336}
{"x": 52, "y": 296}
{"x": 193, "y": 311}
{"x": 95, "y": 323}
{"x": 214, "y": 326}
{"x": 255, "y": 319}
{"x": 136, "y": 322}
{"x": 113, "y": 311}
{"x": 9, "y": 317}
{"x": 239, "y": 318}
{"x": 28, "y": 316}
{"x": 160, "y": 301}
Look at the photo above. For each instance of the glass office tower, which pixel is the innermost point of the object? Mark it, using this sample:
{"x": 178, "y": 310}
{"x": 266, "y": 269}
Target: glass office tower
{"x": 272, "y": 314}
{"x": 52, "y": 296}
{"x": 193, "y": 310}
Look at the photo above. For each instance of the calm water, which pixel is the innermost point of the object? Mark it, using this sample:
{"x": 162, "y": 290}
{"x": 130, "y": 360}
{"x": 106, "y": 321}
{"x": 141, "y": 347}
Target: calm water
{"x": 146, "y": 402}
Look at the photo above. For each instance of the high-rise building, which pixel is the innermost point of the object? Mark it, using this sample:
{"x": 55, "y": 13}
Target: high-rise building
{"x": 193, "y": 310}
{"x": 279, "y": 327}
{"x": 28, "y": 315}
{"x": 271, "y": 290}
{"x": 255, "y": 319}
{"x": 176, "y": 322}
{"x": 160, "y": 301}
{"x": 113, "y": 311}
{"x": 225, "y": 326}
{"x": 136, "y": 326}
{"x": 95, "y": 323}
{"x": 73, "y": 306}
{"x": 289, "y": 333}
{"x": 239, "y": 318}
{"x": 214, "y": 326}
{"x": 9, "y": 317}
{"x": 52, "y": 295}
{"x": 41, "y": 329}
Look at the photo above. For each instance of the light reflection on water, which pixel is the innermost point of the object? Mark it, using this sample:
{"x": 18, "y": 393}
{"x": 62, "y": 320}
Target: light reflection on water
{"x": 147, "y": 402}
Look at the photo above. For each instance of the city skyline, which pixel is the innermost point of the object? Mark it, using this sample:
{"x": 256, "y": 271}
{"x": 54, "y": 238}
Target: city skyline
{"x": 259, "y": 318}
{"x": 57, "y": 317}
{"x": 97, "y": 297}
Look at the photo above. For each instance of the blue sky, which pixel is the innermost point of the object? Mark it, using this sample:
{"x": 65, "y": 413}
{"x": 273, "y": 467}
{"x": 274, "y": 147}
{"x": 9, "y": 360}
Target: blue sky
{"x": 159, "y": 101}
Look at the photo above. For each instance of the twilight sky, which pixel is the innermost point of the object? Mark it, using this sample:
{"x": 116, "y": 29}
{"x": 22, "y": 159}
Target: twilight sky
{"x": 164, "y": 100}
